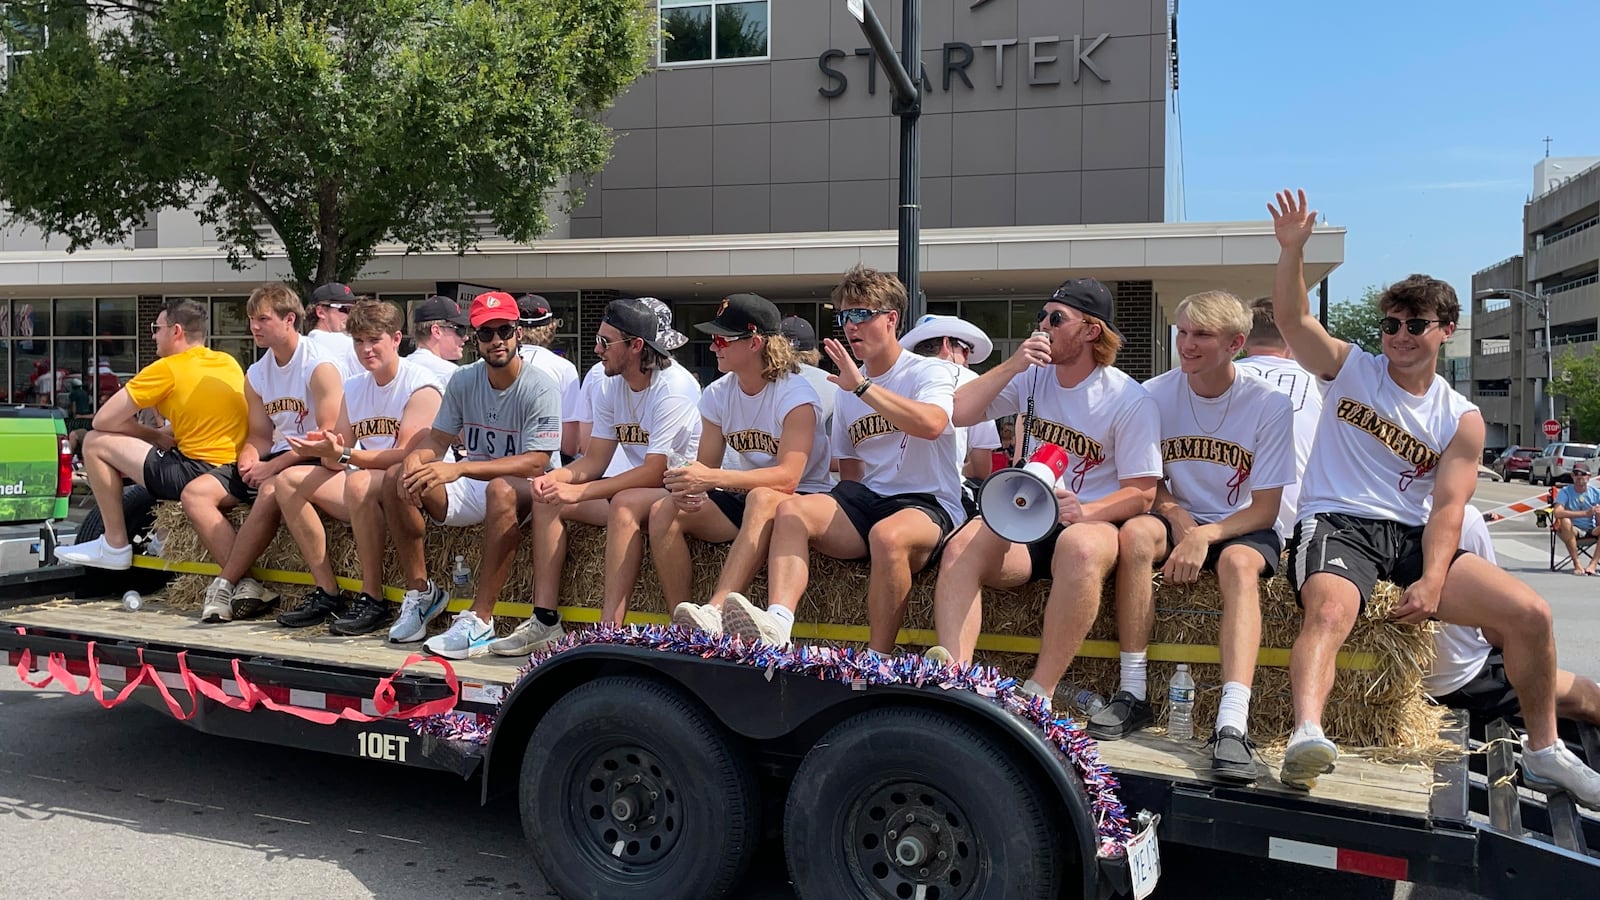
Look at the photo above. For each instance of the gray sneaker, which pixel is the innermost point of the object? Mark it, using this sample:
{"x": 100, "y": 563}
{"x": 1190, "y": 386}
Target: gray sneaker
{"x": 467, "y": 636}
{"x": 751, "y": 623}
{"x": 417, "y": 609}
{"x": 1031, "y": 688}
{"x": 1561, "y": 771}
{"x": 251, "y": 598}
{"x": 219, "y": 601}
{"x": 696, "y": 617}
{"x": 527, "y": 638}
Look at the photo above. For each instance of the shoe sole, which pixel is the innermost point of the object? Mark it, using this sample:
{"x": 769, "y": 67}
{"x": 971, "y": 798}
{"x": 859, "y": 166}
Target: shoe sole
{"x": 687, "y": 620}
{"x": 472, "y": 652}
{"x": 1236, "y": 773}
{"x": 95, "y": 563}
{"x": 253, "y": 607}
{"x": 332, "y": 616}
{"x": 1302, "y": 769}
{"x": 422, "y": 632}
{"x": 353, "y": 630}
{"x": 527, "y": 649}
{"x": 1100, "y": 733}
{"x": 736, "y": 621}
{"x": 215, "y": 618}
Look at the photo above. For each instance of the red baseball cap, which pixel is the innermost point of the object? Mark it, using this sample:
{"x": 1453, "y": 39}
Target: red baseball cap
{"x": 494, "y": 306}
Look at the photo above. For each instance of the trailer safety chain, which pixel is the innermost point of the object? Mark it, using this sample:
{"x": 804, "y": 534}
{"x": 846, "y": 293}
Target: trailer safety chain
{"x": 249, "y": 695}
{"x": 857, "y": 668}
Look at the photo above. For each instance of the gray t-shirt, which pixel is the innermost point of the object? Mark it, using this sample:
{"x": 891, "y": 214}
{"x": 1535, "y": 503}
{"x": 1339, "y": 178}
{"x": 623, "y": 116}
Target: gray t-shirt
{"x": 495, "y": 424}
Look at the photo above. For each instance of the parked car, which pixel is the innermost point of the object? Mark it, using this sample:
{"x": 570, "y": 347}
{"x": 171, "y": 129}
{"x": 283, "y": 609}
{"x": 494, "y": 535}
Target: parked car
{"x": 1514, "y": 462}
{"x": 1554, "y": 464}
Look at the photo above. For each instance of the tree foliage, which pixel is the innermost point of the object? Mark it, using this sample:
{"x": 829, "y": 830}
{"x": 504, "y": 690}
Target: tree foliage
{"x": 341, "y": 124}
{"x": 1577, "y": 378}
{"x": 1356, "y": 321}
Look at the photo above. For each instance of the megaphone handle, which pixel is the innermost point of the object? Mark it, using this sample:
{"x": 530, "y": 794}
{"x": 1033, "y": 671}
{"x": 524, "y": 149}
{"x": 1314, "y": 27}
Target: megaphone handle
{"x": 1019, "y": 447}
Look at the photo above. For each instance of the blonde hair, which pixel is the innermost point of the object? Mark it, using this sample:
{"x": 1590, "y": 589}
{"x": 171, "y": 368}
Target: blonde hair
{"x": 1218, "y": 311}
{"x": 539, "y": 335}
{"x": 807, "y": 357}
{"x": 865, "y": 286}
{"x": 278, "y": 298}
{"x": 778, "y": 357}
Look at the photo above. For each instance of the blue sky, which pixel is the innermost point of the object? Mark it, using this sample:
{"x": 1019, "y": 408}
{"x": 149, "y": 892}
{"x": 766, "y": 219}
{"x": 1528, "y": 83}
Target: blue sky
{"x": 1413, "y": 123}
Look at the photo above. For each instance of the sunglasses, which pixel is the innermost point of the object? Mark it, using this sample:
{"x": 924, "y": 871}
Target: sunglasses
{"x": 155, "y": 327}
{"x": 604, "y": 343}
{"x": 721, "y": 342}
{"x": 1056, "y": 317}
{"x": 1391, "y": 325}
{"x": 339, "y": 307}
{"x": 502, "y": 332}
{"x": 856, "y": 316}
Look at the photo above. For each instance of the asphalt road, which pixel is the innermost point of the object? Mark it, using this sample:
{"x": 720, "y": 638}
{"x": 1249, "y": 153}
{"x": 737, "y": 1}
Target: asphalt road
{"x": 129, "y": 803}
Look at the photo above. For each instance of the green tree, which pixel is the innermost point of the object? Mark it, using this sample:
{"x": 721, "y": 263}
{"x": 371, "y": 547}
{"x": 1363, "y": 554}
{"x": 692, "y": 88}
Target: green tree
{"x": 1577, "y": 378}
{"x": 340, "y": 124}
{"x": 1356, "y": 321}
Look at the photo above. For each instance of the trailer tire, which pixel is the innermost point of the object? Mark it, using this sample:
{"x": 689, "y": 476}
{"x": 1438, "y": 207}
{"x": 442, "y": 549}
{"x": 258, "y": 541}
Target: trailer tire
{"x": 885, "y": 793}
{"x": 139, "y": 511}
{"x": 626, "y": 751}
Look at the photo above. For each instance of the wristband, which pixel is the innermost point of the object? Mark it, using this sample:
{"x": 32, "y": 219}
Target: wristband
{"x": 344, "y": 458}
{"x": 862, "y": 387}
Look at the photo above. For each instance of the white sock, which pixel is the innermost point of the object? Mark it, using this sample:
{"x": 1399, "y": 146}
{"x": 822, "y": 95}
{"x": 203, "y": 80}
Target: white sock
{"x": 1305, "y": 732}
{"x": 1234, "y": 711}
{"x": 1133, "y": 674}
{"x": 785, "y": 617}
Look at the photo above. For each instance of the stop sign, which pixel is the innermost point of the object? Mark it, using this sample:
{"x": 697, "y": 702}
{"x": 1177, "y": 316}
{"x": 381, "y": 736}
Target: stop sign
{"x": 1552, "y": 429}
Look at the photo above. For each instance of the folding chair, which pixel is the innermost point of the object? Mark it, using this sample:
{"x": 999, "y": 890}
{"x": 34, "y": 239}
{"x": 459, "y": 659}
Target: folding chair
{"x": 1558, "y": 551}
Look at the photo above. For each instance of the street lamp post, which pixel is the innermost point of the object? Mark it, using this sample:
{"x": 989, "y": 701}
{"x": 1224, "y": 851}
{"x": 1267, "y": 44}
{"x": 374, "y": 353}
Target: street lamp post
{"x": 1542, "y": 301}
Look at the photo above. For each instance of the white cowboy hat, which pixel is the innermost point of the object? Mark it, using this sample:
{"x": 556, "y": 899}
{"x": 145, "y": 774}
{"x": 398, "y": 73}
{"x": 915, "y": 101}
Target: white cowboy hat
{"x": 933, "y": 326}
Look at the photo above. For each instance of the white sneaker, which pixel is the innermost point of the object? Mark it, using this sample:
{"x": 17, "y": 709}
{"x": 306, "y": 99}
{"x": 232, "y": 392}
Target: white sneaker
{"x": 251, "y": 598}
{"x": 751, "y": 624}
{"x": 1558, "y": 771}
{"x": 696, "y": 617}
{"x": 939, "y": 656}
{"x": 417, "y": 609}
{"x": 468, "y": 636}
{"x": 219, "y": 601}
{"x": 528, "y": 637}
{"x": 97, "y": 554}
{"x": 1307, "y": 757}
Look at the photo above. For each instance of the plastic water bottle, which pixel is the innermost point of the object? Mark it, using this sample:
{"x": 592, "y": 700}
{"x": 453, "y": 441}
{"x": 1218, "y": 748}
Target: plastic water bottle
{"x": 1084, "y": 700}
{"x": 676, "y": 460}
{"x": 132, "y": 602}
{"x": 1180, "y": 705}
{"x": 461, "y": 574}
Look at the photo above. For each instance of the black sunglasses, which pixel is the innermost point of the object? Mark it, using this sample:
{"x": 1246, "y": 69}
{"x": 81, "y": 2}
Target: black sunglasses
{"x": 1391, "y": 325}
{"x": 503, "y": 332}
{"x": 856, "y": 316}
{"x": 1057, "y": 317}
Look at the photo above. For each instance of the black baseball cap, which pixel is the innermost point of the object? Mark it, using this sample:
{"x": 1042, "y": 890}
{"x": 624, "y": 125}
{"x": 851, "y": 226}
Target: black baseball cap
{"x": 740, "y": 314}
{"x": 634, "y": 318}
{"x": 439, "y": 309}
{"x": 800, "y": 333}
{"x": 333, "y": 293}
{"x": 1086, "y": 295}
{"x": 534, "y": 309}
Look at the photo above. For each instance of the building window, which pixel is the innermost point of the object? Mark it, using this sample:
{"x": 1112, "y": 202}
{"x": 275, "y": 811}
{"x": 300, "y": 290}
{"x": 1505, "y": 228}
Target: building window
{"x": 711, "y": 30}
{"x": 70, "y": 353}
{"x": 29, "y": 34}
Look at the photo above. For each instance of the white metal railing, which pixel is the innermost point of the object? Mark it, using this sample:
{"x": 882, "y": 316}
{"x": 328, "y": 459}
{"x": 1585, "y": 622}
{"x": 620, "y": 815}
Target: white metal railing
{"x": 1493, "y": 392}
{"x": 1571, "y": 230}
{"x": 1573, "y": 285}
{"x": 1580, "y": 338}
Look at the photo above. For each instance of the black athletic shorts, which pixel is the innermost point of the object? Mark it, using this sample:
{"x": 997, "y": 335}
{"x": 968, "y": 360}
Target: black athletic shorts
{"x": 866, "y": 508}
{"x": 730, "y": 503}
{"x": 1357, "y": 549}
{"x": 1489, "y": 696}
{"x": 1264, "y": 541}
{"x": 234, "y": 482}
{"x": 167, "y": 471}
{"x": 1042, "y": 551}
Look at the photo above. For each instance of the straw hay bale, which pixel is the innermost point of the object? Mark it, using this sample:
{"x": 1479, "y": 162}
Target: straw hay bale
{"x": 1381, "y": 707}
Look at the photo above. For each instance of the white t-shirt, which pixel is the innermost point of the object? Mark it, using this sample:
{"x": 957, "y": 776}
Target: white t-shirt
{"x": 375, "y": 410}
{"x": 664, "y": 418}
{"x": 583, "y": 412}
{"x": 1459, "y": 651}
{"x": 827, "y": 393}
{"x": 441, "y": 368}
{"x": 1378, "y": 446}
{"x": 1305, "y": 394}
{"x": 1217, "y": 451}
{"x": 753, "y": 426}
{"x": 982, "y": 436}
{"x": 893, "y": 461}
{"x": 561, "y": 371}
{"x": 338, "y": 348}
{"x": 285, "y": 391}
{"x": 1107, "y": 423}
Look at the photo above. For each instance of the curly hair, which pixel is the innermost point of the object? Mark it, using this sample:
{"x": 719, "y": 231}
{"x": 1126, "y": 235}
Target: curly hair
{"x": 864, "y": 286}
{"x": 1421, "y": 295}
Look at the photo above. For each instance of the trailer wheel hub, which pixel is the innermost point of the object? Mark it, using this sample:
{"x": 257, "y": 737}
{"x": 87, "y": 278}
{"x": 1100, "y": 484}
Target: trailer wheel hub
{"x": 630, "y": 804}
{"x": 907, "y": 836}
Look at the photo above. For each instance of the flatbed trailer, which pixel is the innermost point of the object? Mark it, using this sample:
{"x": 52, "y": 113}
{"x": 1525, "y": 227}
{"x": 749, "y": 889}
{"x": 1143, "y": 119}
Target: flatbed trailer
{"x": 662, "y": 766}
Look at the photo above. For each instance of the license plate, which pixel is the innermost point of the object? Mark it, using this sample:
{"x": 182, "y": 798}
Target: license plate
{"x": 1144, "y": 862}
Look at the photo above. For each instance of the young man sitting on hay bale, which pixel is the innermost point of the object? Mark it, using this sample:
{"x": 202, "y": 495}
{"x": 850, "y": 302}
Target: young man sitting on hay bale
{"x": 387, "y": 412}
{"x": 761, "y": 442}
{"x": 1394, "y": 443}
{"x": 1227, "y": 444}
{"x": 199, "y": 391}
{"x": 507, "y": 416}
{"x": 1064, "y": 390}
{"x": 440, "y": 329}
{"x": 291, "y": 390}
{"x": 647, "y": 411}
{"x": 899, "y": 491}
{"x": 1267, "y": 357}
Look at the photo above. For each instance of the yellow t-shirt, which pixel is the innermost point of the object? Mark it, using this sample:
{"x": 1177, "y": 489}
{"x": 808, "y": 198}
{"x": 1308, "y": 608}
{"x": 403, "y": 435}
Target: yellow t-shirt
{"x": 201, "y": 392}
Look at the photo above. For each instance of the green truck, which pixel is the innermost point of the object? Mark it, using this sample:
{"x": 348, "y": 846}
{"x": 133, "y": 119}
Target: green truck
{"x": 35, "y": 484}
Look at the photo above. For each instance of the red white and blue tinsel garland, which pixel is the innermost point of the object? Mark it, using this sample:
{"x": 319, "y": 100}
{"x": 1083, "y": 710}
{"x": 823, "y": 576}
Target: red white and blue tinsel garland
{"x": 856, "y": 668}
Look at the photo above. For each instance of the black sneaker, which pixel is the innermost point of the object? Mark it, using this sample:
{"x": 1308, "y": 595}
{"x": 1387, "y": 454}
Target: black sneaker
{"x": 1233, "y": 756}
{"x": 314, "y": 609}
{"x": 367, "y": 614}
{"x": 1122, "y": 716}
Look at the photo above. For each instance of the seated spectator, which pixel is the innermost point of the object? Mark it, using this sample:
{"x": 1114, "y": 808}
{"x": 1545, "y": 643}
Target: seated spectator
{"x": 1574, "y": 515}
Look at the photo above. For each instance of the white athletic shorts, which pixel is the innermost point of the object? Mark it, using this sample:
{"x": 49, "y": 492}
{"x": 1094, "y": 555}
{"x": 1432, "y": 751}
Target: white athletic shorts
{"x": 465, "y": 502}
